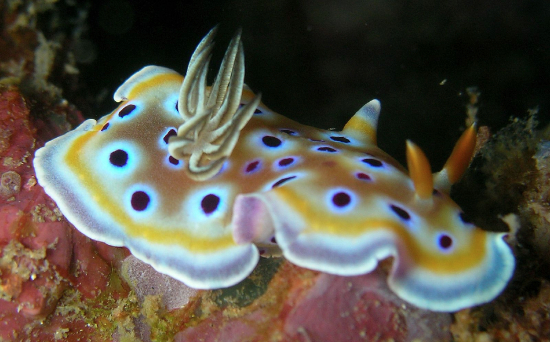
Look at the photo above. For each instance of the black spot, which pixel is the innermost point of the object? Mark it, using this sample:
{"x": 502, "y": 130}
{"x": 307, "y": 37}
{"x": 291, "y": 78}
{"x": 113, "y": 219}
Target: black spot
{"x": 445, "y": 241}
{"x": 341, "y": 139}
{"x": 170, "y": 133}
{"x": 288, "y": 131}
{"x": 173, "y": 160}
{"x": 273, "y": 240}
{"x": 281, "y": 181}
{"x": 118, "y": 158}
{"x": 210, "y": 203}
{"x": 286, "y": 161}
{"x": 465, "y": 218}
{"x": 400, "y": 212}
{"x": 177, "y": 106}
{"x": 436, "y": 192}
{"x": 341, "y": 199}
{"x": 252, "y": 166}
{"x": 126, "y": 110}
{"x": 262, "y": 251}
{"x": 362, "y": 176}
{"x": 140, "y": 200}
{"x": 271, "y": 141}
{"x": 327, "y": 149}
{"x": 105, "y": 127}
{"x": 372, "y": 162}
{"x": 257, "y": 111}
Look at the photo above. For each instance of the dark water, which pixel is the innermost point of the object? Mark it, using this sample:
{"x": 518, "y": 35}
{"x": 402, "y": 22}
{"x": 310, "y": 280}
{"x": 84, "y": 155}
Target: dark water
{"x": 319, "y": 61}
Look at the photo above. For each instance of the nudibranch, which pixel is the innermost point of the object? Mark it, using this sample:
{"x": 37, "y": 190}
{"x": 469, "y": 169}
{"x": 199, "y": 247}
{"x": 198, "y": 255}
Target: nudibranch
{"x": 199, "y": 181}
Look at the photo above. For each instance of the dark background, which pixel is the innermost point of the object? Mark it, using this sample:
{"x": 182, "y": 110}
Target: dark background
{"x": 317, "y": 62}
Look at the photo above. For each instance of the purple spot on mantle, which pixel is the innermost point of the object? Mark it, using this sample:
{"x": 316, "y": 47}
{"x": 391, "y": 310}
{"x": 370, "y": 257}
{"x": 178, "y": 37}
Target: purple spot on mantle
{"x": 286, "y": 161}
{"x": 271, "y": 141}
{"x": 173, "y": 160}
{"x": 341, "y": 199}
{"x": 362, "y": 176}
{"x": 327, "y": 149}
{"x": 252, "y": 166}
{"x": 126, "y": 110}
{"x": 445, "y": 241}
{"x": 341, "y": 139}
{"x": 372, "y": 162}
{"x": 140, "y": 200}
{"x": 282, "y": 181}
{"x": 118, "y": 158}
{"x": 170, "y": 133}
{"x": 402, "y": 213}
{"x": 210, "y": 203}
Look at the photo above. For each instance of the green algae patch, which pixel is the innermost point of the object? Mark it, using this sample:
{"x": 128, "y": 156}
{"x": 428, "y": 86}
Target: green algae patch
{"x": 251, "y": 288}
{"x": 104, "y": 314}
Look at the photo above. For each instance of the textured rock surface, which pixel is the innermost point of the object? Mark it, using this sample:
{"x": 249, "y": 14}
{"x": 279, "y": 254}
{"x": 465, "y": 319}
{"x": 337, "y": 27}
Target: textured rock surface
{"x": 145, "y": 281}
{"x": 302, "y": 305}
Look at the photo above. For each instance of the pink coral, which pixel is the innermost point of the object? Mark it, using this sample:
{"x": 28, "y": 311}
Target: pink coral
{"x": 35, "y": 241}
{"x": 41, "y": 253}
{"x": 361, "y": 308}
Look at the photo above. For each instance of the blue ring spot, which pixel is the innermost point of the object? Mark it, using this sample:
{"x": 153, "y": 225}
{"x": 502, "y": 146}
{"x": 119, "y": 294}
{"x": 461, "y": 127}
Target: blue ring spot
{"x": 203, "y": 205}
{"x": 363, "y": 176}
{"x": 444, "y": 242}
{"x": 210, "y": 203}
{"x": 164, "y": 137}
{"x": 141, "y": 199}
{"x": 282, "y": 181}
{"x": 173, "y": 163}
{"x": 127, "y": 110}
{"x": 285, "y": 163}
{"x": 119, "y": 158}
{"x": 253, "y": 166}
{"x": 372, "y": 162}
{"x": 271, "y": 141}
{"x": 340, "y": 139}
{"x": 340, "y": 200}
{"x": 171, "y": 133}
{"x": 327, "y": 149}
{"x": 402, "y": 213}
